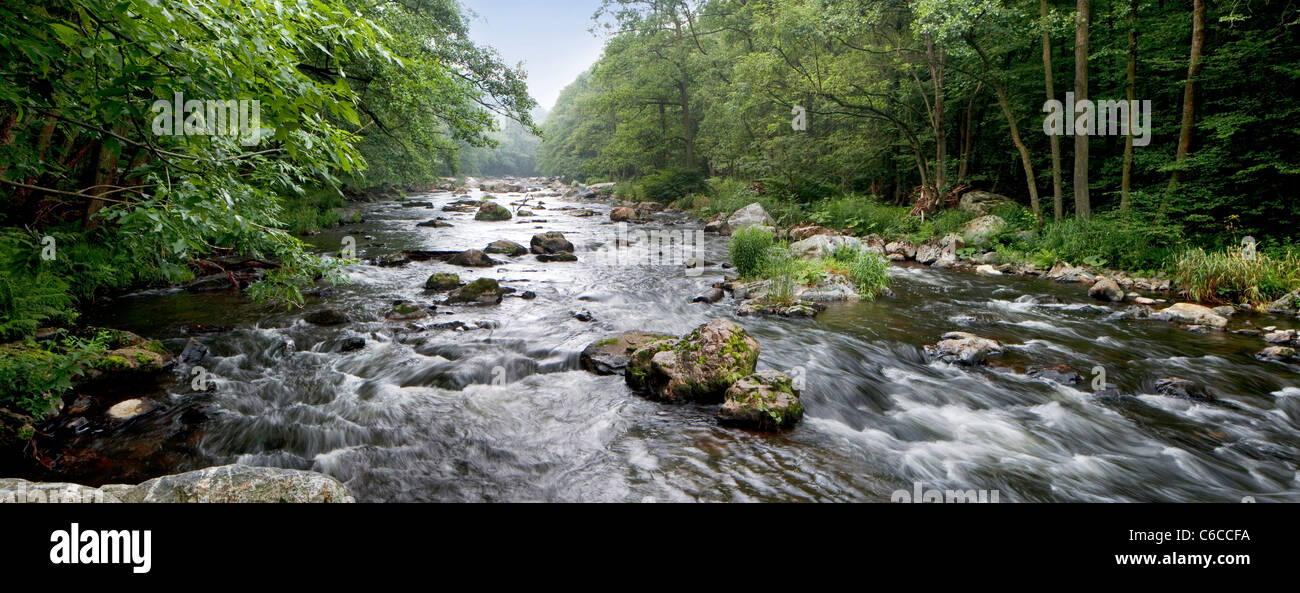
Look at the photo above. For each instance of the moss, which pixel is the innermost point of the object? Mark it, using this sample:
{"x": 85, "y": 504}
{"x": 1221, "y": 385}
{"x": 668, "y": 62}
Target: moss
{"x": 608, "y": 342}
{"x": 442, "y": 281}
{"x": 113, "y": 363}
{"x": 156, "y": 347}
{"x": 492, "y": 211}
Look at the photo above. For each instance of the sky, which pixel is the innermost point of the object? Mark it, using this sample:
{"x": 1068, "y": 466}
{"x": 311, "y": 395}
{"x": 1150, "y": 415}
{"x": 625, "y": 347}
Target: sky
{"x": 549, "y": 36}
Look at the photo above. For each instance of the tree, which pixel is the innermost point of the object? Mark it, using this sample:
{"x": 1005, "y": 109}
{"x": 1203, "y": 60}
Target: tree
{"x": 1082, "y": 204}
{"x": 1189, "y": 92}
{"x": 1058, "y": 199}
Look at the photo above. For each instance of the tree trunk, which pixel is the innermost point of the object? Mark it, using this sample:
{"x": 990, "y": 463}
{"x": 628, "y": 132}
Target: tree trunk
{"x": 1082, "y": 203}
{"x": 936, "y": 60}
{"x": 1058, "y": 199}
{"x": 1025, "y": 161}
{"x": 1126, "y": 181}
{"x": 968, "y": 135}
{"x": 1189, "y": 91}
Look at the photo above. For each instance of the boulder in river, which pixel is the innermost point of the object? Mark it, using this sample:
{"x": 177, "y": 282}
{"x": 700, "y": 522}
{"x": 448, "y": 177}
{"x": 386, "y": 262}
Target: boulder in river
{"x": 238, "y": 483}
{"x": 700, "y": 367}
{"x": 1277, "y": 354}
{"x": 1058, "y": 373}
{"x": 442, "y": 281}
{"x": 391, "y": 260}
{"x": 750, "y": 215}
{"x": 963, "y": 348}
{"x": 550, "y": 244}
{"x": 622, "y": 214}
{"x": 610, "y": 356}
{"x": 435, "y": 223}
{"x": 472, "y": 258}
{"x": 326, "y": 317}
{"x": 505, "y": 247}
{"x": 1192, "y": 314}
{"x": 556, "y": 257}
{"x": 484, "y": 291}
{"x": 492, "y": 211}
{"x": 406, "y": 311}
{"x": 765, "y": 400}
{"x": 902, "y": 247}
{"x": 1105, "y": 289}
{"x": 1182, "y": 389}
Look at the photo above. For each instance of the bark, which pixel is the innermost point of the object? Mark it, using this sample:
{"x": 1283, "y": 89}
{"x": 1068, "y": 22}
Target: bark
{"x": 1082, "y": 203}
{"x": 1058, "y": 199}
{"x": 1189, "y": 91}
{"x": 1126, "y": 180}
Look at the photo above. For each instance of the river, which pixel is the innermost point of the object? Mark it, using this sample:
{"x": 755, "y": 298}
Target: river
{"x": 504, "y": 413}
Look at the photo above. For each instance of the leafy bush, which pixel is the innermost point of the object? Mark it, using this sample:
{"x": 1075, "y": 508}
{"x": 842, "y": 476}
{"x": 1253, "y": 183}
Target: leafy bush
{"x": 863, "y": 215}
{"x": 783, "y": 273}
{"x": 749, "y": 249}
{"x": 1228, "y": 276}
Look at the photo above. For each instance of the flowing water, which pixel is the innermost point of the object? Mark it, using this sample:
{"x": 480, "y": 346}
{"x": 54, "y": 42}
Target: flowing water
{"x": 504, "y": 413}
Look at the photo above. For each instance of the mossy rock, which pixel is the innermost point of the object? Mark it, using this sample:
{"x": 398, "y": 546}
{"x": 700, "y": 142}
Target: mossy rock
{"x": 442, "y": 281}
{"x": 765, "y": 400}
{"x": 407, "y": 310}
{"x": 506, "y": 247}
{"x": 492, "y": 211}
{"x": 484, "y": 291}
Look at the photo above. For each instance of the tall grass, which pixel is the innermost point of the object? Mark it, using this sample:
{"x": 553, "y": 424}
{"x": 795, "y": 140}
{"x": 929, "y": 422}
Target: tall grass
{"x": 1230, "y": 276}
{"x": 749, "y": 249}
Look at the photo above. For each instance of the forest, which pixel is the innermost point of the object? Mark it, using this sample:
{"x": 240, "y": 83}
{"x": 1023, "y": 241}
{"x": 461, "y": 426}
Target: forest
{"x": 903, "y": 105}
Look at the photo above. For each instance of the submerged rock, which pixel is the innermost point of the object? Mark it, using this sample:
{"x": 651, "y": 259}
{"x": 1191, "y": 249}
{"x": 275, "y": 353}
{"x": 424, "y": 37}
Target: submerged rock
{"x": 963, "y": 348}
{"x": 326, "y": 317}
{"x": 1182, "y": 388}
{"x": 765, "y": 400}
{"x": 128, "y": 409}
{"x": 700, "y": 367}
{"x": 407, "y": 310}
{"x": 557, "y": 257}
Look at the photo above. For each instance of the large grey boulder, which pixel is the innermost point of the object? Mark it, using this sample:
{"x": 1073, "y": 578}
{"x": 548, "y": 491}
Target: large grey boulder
{"x": 980, "y": 203}
{"x": 750, "y": 215}
{"x": 1193, "y": 314}
{"x": 982, "y": 229}
{"x": 823, "y": 245}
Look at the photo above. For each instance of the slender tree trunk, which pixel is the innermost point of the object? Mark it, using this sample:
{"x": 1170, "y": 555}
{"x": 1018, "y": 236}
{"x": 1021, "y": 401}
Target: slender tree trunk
{"x": 1189, "y": 91}
{"x": 1025, "y": 161}
{"x": 1082, "y": 203}
{"x": 1126, "y": 181}
{"x": 1058, "y": 199}
{"x": 968, "y": 135}
{"x": 687, "y": 131}
{"x": 936, "y": 60}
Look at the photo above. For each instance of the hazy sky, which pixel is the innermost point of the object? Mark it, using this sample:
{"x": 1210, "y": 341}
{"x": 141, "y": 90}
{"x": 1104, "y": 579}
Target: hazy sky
{"x": 549, "y": 36}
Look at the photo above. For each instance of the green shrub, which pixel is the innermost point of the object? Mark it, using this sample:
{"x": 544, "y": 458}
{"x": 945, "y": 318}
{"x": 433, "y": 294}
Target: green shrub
{"x": 863, "y": 215}
{"x": 749, "y": 249}
{"x": 783, "y": 273}
{"x": 671, "y": 184}
{"x": 1228, "y": 276}
{"x": 1128, "y": 241}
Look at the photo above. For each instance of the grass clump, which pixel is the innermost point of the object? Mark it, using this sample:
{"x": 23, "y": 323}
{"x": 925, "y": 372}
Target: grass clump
{"x": 749, "y": 249}
{"x": 1232, "y": 276}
